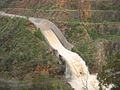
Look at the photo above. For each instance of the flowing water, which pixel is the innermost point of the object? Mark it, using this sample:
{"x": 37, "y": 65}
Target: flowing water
{"x": 77, "y": 73}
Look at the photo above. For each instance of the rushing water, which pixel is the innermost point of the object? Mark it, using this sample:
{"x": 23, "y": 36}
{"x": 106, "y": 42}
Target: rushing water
{"x": 77, "y": 73}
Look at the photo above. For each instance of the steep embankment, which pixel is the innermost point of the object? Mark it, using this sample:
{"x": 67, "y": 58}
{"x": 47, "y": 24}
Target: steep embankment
{"x": 25, "y": 58}
{"x": 96, "y": 39}
{"x": 78, "y": 72}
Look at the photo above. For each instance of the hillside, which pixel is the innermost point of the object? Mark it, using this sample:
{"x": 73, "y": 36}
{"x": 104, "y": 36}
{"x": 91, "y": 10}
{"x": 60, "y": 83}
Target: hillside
{"x": 93, "y": 29}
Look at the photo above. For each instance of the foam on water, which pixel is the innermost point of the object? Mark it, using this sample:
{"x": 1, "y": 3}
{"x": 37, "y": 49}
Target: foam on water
{"x": 77, "y": 73}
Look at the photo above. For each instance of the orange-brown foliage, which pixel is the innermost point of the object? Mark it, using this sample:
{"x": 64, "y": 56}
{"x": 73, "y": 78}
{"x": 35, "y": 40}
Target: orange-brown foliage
{"x": 85, "y": 9}
{"x": 47, "y": 69}
{"x": 61, "y": 3}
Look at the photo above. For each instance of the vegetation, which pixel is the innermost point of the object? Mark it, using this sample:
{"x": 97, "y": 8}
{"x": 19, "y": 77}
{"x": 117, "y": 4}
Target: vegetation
{"x": 4, "y": 3}
{"x": 87, "y": 43}
{"x": 21, "y": 52}
{"x": 96, "y": 37}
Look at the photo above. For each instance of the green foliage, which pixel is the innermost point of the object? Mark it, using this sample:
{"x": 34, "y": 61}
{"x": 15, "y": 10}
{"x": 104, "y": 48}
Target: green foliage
{"x": 20, "y": 52}
{"x": 106, "y": 34}
{"x": 105, "y": 5}
{"x": 19, "y": 45}
{"x": 93, "y": 34}
{"x": 86, "y": 47}
{"x": 39, "y": 35}
{"x": 110, "y": 72}
{"x": 77, "y": 35}
{"x": 51, "y": 84}
{"x": 4, "y": 3}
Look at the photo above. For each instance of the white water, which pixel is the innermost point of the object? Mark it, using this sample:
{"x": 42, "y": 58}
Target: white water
{"x": 77, "y": 72}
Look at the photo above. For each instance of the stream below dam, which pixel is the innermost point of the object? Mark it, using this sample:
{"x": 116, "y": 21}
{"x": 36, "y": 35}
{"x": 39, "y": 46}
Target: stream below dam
{"x": 76, "y": 73}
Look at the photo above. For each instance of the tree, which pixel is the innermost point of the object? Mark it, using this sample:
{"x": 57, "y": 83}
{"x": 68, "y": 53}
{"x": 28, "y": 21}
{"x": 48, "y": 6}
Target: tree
{"x": 84, "y": 8}
{"x": 61, "y": 3}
